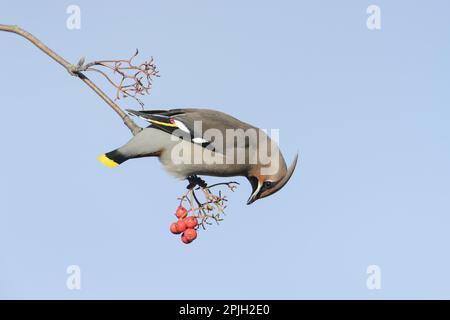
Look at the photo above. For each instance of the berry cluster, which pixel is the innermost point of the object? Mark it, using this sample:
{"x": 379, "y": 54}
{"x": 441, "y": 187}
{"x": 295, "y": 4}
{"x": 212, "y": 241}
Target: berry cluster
{"x": 185, "y": 225}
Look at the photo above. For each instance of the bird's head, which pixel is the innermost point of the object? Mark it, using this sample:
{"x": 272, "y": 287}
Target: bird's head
{"x": 264, "y": 185}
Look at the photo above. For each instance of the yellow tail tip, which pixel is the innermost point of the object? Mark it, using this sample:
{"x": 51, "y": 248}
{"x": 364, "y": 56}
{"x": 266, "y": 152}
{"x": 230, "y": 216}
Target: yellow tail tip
{"x": 107, "y": 161}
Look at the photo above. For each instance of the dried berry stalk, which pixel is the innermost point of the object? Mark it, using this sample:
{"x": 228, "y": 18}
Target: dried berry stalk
{"x": 209, "y": 206}
{"x": 132, "y": 80}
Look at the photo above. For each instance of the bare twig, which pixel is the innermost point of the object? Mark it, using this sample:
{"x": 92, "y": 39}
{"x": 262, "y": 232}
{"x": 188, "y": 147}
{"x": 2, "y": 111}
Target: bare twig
{"x": 232, "y": 185}
{"x": 74, "y": 70}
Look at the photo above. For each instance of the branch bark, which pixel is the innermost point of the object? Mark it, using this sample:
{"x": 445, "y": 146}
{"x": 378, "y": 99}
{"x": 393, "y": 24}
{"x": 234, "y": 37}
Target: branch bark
{"x": 73, "y": 70}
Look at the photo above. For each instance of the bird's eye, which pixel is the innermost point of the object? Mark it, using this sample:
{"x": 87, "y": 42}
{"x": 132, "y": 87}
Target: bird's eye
{"x": 267, "y": 184}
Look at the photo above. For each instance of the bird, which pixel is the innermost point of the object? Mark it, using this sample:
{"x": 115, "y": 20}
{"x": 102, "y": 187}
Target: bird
{"x": 193, "y": 142}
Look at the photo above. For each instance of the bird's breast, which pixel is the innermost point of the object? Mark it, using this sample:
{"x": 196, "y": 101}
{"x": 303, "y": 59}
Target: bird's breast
{"x": 186, "y": 159}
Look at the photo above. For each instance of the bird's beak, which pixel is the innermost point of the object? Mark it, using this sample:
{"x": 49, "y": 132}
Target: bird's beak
{"x": 256, "y": 188}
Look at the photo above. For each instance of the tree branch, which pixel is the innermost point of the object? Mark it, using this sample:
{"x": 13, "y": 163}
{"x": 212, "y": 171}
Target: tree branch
{"x": 75, "y": 71}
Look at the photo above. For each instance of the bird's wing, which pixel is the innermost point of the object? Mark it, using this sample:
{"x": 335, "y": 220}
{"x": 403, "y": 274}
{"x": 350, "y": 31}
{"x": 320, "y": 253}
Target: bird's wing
{"x": 194, "y": 122}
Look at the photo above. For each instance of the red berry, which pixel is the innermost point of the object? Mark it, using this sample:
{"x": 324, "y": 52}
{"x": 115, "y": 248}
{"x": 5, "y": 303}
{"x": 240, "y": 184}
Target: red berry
{"x": 174, "y": 229}
{"x": 184, "y": 239}
{"x": 190, "y": 234}
{"x": 181, "y": 212}
{"x": 191, "y": 222}
{"x": 181, "y": 226}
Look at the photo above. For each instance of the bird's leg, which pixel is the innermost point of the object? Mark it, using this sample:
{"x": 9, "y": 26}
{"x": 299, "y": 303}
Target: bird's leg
{"x": 194, "y": 181}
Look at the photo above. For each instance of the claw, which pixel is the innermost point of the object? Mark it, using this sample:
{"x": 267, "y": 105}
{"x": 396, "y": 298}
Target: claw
{"x": 196, "y": 181}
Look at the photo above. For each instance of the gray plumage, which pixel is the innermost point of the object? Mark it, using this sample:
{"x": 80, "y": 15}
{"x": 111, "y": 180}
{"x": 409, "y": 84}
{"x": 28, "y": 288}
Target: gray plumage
{"x": 187, "y": 144}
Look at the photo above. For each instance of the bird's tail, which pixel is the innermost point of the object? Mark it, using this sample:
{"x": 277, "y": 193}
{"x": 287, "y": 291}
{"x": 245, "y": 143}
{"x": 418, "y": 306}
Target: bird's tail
{"x": 112, "y": 159}
{"x": 147, "y": 143}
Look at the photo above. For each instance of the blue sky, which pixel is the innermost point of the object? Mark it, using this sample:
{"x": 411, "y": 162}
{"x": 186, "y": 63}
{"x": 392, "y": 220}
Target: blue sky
{"x": 368, "y": 111}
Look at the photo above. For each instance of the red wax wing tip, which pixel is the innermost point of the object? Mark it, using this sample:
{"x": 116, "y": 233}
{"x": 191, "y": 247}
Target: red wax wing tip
{"x": 190, "y": 234}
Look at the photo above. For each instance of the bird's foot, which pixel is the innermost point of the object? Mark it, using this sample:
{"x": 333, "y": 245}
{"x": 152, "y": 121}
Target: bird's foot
{"x": 194, "y": 181}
